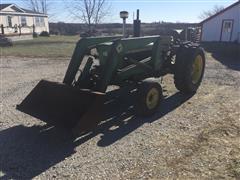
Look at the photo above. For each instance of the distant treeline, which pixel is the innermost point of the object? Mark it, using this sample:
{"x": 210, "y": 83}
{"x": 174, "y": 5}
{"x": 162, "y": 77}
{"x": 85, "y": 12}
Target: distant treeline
{"x": 61, "y": 28}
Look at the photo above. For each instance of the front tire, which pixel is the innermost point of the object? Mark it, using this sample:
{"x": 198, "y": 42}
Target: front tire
{"x": 148, "y": 98}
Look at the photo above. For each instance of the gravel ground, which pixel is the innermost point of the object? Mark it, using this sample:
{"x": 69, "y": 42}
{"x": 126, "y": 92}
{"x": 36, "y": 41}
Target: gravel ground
{"x": 189, "y": 138}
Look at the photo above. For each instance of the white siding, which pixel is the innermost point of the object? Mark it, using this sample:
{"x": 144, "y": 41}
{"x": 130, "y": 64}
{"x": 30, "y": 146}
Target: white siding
{"x": 39, "y": 29}
{"x": 211, "y": 30}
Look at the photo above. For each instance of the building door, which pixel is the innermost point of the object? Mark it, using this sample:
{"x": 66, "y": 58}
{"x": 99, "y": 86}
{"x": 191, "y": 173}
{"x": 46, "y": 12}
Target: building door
{"x": 227, "y": 28}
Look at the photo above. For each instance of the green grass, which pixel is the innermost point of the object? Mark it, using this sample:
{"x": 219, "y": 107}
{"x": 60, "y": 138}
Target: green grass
{"x": 46, "y": 47}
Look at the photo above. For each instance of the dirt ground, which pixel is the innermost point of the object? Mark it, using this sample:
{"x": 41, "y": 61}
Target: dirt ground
{"x": 194, "y": 137}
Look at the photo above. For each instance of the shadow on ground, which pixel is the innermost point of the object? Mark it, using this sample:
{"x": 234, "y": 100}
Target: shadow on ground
{"x": 26, "y": 152}
{"x": 230, "y": 62}
{"x": 227, "y": 54}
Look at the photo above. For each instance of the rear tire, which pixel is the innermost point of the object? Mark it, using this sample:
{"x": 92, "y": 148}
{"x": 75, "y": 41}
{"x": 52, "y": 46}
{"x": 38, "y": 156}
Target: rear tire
{"x": 189, "y": 69}
{"x": 149, "y": 96}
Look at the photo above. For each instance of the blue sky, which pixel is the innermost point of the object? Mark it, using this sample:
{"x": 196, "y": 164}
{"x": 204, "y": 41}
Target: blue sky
{"x": 150, "y": 10}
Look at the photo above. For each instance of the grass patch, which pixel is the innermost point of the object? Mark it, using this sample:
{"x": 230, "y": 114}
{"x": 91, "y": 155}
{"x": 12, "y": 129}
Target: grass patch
{"x": 46, "y": 47}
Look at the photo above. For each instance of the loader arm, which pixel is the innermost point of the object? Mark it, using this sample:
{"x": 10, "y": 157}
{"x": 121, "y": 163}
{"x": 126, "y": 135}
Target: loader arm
{"x": 81, "y": 47}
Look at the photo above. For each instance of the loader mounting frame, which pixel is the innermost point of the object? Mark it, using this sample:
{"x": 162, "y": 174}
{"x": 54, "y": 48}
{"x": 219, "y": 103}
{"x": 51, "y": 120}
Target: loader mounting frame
{"x": 143, "y": 55}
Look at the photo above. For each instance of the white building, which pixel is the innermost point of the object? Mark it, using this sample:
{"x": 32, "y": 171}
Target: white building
{"x": 18, "y": 21}
{"x": 223, "y": 26}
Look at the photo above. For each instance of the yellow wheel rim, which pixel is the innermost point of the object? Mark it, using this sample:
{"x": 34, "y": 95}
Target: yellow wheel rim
{"x": 197, "y": 68}
{"x": 152, "y": 98}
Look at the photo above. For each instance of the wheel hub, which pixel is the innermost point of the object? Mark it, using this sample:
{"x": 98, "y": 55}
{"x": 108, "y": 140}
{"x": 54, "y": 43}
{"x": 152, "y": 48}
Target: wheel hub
{"x": 152, "y": 98}
{"x": 197, "y": 68}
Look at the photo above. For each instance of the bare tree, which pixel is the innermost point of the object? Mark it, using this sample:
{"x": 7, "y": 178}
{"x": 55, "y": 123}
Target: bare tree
{"x": 215, "y": 10}
{"x": 37, "y": 5}
{"x": 101, "y": 11}
{"x": 90, "y": 12}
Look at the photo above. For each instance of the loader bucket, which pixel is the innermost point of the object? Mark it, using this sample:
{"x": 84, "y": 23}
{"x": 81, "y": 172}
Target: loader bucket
{"x": 64, "y": 105}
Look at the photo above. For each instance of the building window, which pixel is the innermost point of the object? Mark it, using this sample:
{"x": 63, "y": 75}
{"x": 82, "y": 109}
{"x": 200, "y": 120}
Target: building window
{"x": 9, "y": 21}
{"x": 227, "y": 26}
{"x": 42, "y": 21}
{"x": 39, "y": 21}
{"x": 23, "y": 21}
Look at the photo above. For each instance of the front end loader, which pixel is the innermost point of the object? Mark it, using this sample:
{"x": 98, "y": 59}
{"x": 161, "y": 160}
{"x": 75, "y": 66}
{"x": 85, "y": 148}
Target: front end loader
{"x": 100, "y": 62}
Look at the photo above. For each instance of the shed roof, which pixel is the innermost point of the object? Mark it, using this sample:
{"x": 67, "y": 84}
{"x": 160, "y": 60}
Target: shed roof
{"x": 222, "y": 11}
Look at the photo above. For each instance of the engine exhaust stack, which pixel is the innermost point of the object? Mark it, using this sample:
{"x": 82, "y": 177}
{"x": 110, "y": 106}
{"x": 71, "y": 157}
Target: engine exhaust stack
{"x": 137, "y": 26}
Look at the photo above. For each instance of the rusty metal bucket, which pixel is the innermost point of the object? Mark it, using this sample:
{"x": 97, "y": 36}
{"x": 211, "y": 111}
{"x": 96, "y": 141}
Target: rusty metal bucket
{"x": 62, "y": 105}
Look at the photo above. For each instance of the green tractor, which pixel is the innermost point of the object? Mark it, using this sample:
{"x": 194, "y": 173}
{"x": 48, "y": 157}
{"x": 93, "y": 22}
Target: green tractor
{"x": 100, "y": 62}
